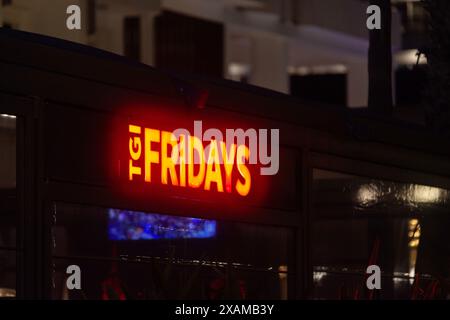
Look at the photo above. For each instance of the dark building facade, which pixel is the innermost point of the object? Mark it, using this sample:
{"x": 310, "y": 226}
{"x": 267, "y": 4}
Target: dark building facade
{"x": 77, "y": 130}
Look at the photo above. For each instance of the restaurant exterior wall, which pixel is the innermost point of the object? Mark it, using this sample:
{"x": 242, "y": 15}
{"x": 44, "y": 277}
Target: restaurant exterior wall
{"x": 65, "y": 118}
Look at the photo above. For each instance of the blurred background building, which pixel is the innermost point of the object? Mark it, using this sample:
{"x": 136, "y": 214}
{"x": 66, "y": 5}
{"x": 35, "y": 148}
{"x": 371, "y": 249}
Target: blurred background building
{"x": 297, "y": 47}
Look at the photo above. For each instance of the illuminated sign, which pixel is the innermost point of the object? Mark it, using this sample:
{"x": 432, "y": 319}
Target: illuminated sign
{"x": 157, "y": 156}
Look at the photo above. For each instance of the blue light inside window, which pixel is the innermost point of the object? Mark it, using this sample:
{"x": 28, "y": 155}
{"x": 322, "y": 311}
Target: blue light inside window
{"x": 133, "y": 225}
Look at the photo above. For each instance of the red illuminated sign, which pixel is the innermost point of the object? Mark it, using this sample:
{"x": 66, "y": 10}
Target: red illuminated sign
{"x": 186, "y": 162}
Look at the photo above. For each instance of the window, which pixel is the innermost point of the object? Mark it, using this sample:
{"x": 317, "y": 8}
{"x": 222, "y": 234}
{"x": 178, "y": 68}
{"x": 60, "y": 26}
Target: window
{"x": 132, "y": 37}
{"x": 126, "y": 254}
{"x": 410, "y": 83}
{"x": 310, "y": 83}
{"x": 401, "y": 227}
{"x": 8, "y": 206}
{"x": 189, "y": 45}
{"x": 414, "y": 19}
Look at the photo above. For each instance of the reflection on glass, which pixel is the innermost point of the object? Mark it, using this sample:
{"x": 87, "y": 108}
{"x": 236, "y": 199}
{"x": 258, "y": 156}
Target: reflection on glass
{"x": 355, "y": 194}
{"x": 132, "y": 225}
{"x": 413, "y": 195}
{"x": 120, "y": 280}
{"x": 401, "y": 227}
{"x": 235, "y": 261}
{"x": 414, "y": 239}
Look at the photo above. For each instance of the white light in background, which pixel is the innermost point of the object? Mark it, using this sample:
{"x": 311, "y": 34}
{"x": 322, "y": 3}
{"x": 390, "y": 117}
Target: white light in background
{"x": 237, "y": 71}
{"x": 8, "y": 116}
{"x": 409, "y": 57}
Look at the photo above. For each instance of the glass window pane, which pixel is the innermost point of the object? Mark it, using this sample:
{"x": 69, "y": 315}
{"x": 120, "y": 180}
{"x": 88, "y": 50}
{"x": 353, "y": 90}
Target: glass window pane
{"x": 8, "y": 203}
{"x": 401, "y": 227}
{"x": 7, "y": 274}
{"x": 164, "y": 279}
{"x": 218, "y": 259}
